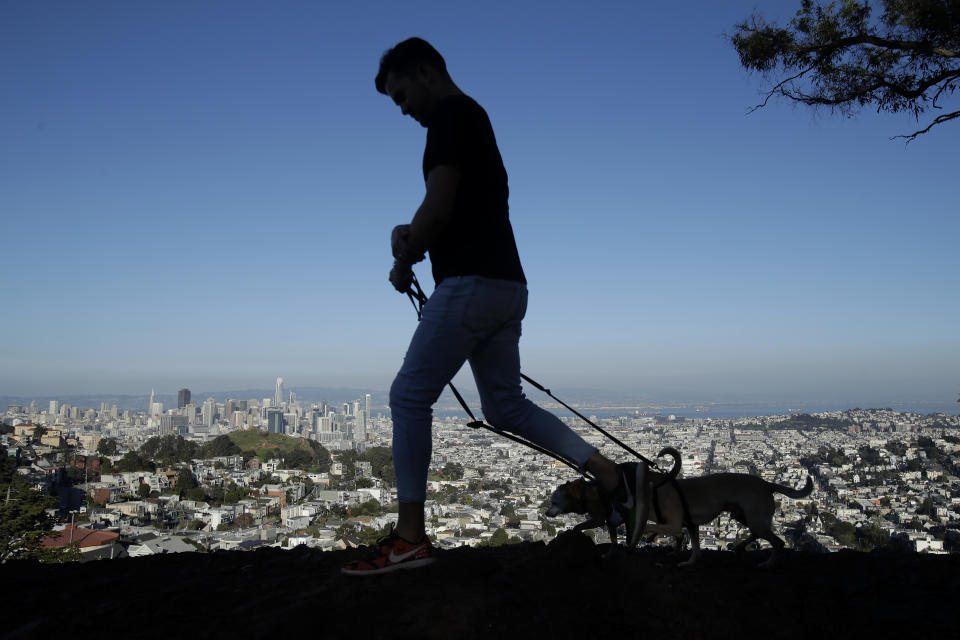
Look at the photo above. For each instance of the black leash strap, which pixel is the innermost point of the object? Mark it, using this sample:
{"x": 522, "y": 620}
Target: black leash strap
{"x": 480, "y": 424}
{"x": 418, "y": 298}
{"x": 592, "y": 424}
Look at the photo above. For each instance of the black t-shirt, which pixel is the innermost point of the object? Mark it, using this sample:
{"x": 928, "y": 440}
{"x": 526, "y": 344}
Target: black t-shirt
{"x": 478, "y": 239}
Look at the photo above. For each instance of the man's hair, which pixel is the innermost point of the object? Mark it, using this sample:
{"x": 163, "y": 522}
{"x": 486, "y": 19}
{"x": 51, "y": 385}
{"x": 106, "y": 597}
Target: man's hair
{"x": 403, "y": 59}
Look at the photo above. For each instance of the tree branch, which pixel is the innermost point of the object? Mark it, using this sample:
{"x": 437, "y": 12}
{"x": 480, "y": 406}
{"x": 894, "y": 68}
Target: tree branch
{"x": 778, "y": 88}
{"x": 857, "y": 92}
{"x": 938, "y": 120}
{"x": 886, "y": 43}
{"x": 922, "y": 87}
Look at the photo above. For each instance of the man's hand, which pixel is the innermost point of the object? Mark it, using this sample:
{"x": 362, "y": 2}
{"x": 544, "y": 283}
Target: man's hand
{"x": 400, "y": 245}
{"x": 401, "y": 276}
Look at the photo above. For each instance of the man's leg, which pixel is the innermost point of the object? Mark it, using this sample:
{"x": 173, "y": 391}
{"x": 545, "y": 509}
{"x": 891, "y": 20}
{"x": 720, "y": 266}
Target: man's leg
{"x": 496, "y": 368}
{"x": 438, "y": 349}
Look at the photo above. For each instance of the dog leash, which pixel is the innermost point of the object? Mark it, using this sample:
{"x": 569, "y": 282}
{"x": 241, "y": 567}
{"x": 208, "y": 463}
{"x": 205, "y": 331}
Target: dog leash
{"x": 418, "y": 298}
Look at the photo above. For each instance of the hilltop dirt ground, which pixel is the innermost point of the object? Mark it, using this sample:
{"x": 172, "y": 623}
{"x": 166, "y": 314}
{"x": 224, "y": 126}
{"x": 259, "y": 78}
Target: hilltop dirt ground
{"x": 532, "y": 590}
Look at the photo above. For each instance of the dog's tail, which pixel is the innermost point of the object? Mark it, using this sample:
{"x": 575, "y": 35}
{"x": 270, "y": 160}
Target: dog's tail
{"x": 677, "y": 460}
{"x": 790, "y": 492}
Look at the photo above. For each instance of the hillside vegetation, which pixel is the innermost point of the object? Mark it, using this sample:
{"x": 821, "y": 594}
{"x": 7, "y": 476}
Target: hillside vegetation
{"x": 295, "y": 452}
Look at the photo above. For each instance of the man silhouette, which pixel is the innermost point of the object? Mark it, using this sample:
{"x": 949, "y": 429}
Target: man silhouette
{"x": 479, "y": 299}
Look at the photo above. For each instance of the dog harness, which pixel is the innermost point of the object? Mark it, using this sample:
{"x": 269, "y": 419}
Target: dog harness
{"x": 654, "y": 490}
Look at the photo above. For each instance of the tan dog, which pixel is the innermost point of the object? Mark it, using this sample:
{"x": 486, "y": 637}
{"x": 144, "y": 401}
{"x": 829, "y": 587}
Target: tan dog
{"x": 581, "y": 496}
{"x": 749, "y": 499}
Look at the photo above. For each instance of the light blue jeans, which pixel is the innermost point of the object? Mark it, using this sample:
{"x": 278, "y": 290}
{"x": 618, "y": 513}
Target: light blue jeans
{"x": 477, "y": 320}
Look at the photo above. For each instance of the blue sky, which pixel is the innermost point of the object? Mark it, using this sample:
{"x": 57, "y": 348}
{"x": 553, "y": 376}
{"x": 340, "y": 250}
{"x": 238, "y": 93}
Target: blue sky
{"x": 201, "y": 194}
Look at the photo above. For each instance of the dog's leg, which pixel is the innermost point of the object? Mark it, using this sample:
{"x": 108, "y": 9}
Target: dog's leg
{"x": 678, "y": 542}
{"x": 612, "y": 528}
{"x": 777, "y": 546}
{"x": 592, "y": 523}
{"x": 694, "y": 547}
{"x": 743, "y": 545}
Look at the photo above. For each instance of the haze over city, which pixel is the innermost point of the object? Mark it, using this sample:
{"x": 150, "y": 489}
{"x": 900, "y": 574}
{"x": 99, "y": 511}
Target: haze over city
{"x": 202, "y": 195}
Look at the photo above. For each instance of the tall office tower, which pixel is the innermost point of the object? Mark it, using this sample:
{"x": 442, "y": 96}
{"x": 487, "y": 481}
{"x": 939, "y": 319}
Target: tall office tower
{"x": 346, "y": 408}
{"x": 114, "y": 411}
{"x": 278, "y": 394}
{"x": 190, "y": 412}
{"x": 229, "y": 407}
{"x": 183, "y": 398}
{"x": 274, "y": 420}
{"x": 209, "y": 411}
{"x": 360, "y": 426}
{"x": 104, "y": 407}
{"x": 54, "y": 408}
{"x": 150, "y": 404}
{"x": 367, "y": 401}
{"x": 293, "y": 397}
{"x": 356, "y": 408}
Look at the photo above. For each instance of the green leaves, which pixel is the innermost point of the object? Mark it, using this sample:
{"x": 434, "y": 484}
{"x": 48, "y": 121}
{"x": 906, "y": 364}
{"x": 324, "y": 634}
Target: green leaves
{"x": 23, "y": 519}
{"x": 837, "y": 56}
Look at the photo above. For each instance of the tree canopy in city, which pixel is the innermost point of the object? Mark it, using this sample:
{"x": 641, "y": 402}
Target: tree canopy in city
{"x": 219, "y": 447}
{"x": 23, "y": 516}
{"x": 169, "y": 449}
{"x": 844, "y": 57}
{"x": 108, "y": 447}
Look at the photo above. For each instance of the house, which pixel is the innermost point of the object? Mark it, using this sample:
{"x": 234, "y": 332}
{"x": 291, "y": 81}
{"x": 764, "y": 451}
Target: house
{"x": 157, "y": 546}
{"x": 92, "y": 544}
{"x": 277, "y": 491}
{"x": 103, "y": 493}
{"x": 84, "y": 462}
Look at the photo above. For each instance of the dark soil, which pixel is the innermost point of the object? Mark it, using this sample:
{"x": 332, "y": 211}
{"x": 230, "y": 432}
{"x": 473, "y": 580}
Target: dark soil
{"x": 529, "y": 590}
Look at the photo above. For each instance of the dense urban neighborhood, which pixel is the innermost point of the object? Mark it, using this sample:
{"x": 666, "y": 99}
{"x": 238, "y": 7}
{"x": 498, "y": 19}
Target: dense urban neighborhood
{"x": 276, "y": 473}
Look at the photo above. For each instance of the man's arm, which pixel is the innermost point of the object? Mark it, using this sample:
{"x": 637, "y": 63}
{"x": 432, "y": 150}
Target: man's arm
{"x": 437, "y": 207}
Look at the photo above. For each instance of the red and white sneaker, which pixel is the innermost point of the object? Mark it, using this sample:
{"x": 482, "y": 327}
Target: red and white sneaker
{"x": 391, "y": 553}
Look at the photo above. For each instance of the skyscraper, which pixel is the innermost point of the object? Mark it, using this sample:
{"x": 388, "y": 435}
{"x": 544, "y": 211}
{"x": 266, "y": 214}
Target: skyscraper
{"x": 209, "y": 411}
{"x": 229, "y": 407}
{"x": 183, "y": 398}
{"x": 278, "y": 394}
{"x": 150, "y": 404}
{"x": 274, "y": 420}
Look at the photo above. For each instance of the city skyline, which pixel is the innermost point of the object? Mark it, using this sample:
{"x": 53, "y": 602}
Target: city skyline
{"x": 202, "y": 196}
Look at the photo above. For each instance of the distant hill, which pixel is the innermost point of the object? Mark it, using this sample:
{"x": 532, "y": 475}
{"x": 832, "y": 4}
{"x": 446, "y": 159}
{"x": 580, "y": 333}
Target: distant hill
{"x": 528, "y": 590}
{"x": 268, "y": 445}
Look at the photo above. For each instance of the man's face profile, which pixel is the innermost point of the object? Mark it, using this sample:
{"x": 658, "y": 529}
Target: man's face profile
{"x": 410, "y": 93}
